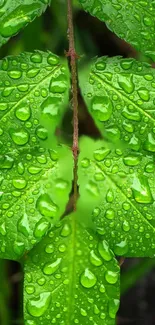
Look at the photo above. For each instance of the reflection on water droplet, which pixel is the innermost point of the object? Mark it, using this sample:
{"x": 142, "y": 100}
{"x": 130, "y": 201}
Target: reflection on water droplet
{"x": 141, "y": 190}
{"x": 149, "y": 144}
{"x": 36, "y": 57}
{"x": 88, "y": 279}
{"x": 51, "y": 268}
{"x": 111, "y": 277}
{"x": 15, "y": 74}
{"x": 94, "y": 259}
{"x": 105, "y": 251}
{"x": 6, "y": 162}
{"x": 126, "y": 83}
{"x": 101, "y": 153}
{"x": 41, "y": 228}
{"x": 19, "y": 183}
{"x": 23, "y": 112}
{"x": 19, "y": 137}
{"x": 46, "y": 206}
{"x": 58, "y": 85}
{"x": 132, "y": 160}
{"x": 37, "y": 307}
{"x": 53, "y": 59}
{"x": 121, "y": 248}
{"x": 102, "y": 108}
{"x": 110, "y": 214}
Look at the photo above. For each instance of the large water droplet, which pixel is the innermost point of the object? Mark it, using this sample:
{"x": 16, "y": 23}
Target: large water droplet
{"x": 105, "y": 251}
{"x": 100, "y": 154}
{"x": 15, "y": 74}
{"x": 126, "y": 83}
{"x": 58, "y": 85}
{"x": 23, "y": 112}
{"x": 102, "y": 108}
{"x": 121, "y": 248}
{"x": 41, "y": 228}
{"x": 6, "y": 162}
{"x": 50, "y": 107}
{"x": 37, "y": 307}
{"x": 19, "y": 137}
{"x": 113, "y": 307}
{"x": 88, "y": 279}
{"x": 19, "y": 183}
{"x": 94, "y": 259}
{"x": 132, "y": 160}
{"x": 111, "y": 277}
{"x": 23, "y": 225}
{"x": 46, "y": 206}
{"x": 51, "y": 268}
{"x": 141, "y": 189}
{"x": 149, "y": 144}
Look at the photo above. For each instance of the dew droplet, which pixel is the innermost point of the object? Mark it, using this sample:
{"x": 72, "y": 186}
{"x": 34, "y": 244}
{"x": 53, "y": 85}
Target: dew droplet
{"x": 19, "y": 137}
{"x": 88, "y": 279}
{"x": 141, "y": 190}
{"x": 15, "y": 74}
{"x": 126, "y": 83}
{"x": 110, "y": 214}
{"x": 41, "y": 228}
{"x": 37, "y": 307}
{"x": 105, "y": 251}
{"x": 94, "y": 259}
{"x": 23, "y": 112}
{"x": 19, "y": 183}
{"x": 102, "y": 108}
{"x": 46, "y": 206}
{"x": 121, "y": 248}
{"x": 58, "y": 85}
{"x": 111, "y": 277}
{"x": 101, "y": 153}
{"x": 51, "y": 268}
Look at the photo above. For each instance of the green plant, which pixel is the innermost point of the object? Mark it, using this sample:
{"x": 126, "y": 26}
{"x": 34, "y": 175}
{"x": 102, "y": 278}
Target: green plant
{"x": 71, "y": 272}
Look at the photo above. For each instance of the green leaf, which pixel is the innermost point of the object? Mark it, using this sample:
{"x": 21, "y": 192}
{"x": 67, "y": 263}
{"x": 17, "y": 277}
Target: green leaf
{"x": 35, "y": 174}
{"x": 132, "y": 21}
{"x": 71, "y": 278}
{"x": 120, "y": 97}
{"x": 16, "y": 14}
{"x": 122, "y": 184}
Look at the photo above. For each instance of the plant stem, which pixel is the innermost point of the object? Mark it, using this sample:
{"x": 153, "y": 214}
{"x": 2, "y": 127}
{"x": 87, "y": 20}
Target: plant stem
{"x": 73, "y": 57}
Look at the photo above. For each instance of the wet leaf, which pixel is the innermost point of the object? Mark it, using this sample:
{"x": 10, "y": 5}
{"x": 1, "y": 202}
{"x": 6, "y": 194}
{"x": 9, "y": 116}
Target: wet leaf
{"x": 35, "y": 174}
{"x": 132, "y": 21}
{"x": 118, "y": 187}
{"x": 120, "y": 97}
{"x": 16, "y": 14}
{"x": 72, "y": 278}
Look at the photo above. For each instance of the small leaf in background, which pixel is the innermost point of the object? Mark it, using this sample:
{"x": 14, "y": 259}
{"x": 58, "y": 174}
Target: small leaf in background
{"x": 122, "y": 183}
{"x": 35, "y": 174}
{"x": 71, "y": 278}
{"x": 120, "y": 96}
{"x": 132, "y": 21}
{"x": 16, "y": 14}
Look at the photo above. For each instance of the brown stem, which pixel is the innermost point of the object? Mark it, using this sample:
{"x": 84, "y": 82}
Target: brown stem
{"x": 73, "y": 57}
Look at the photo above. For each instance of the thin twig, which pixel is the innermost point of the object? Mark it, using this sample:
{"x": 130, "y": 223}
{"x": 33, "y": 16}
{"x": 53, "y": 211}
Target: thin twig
{"x": 73, "y": 57}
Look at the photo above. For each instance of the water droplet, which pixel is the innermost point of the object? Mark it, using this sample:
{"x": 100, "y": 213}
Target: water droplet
{"x": 121, "y": 248}
{"x": 149, "y": 143}
{"x": 102, "y": 108}
{"x": 111, "y": 277}
{"x": 128, "y": 126}
{"x": 141, "y": 190}
{"x": 101, "y": 153}
{"x": 92, "y": 188}
{"x": 83, "y": 312}
{"x": 149, "y": 168}
{"x": 3, "y": 106}
{"x": 42, "y": 133}
{"x": 88, "y": 279}
{"x": 19, "y": 137}
{"x": 23, "y": 112}
{"x": 41, "y": 228}
{"x": 66, "y": 230}
{"x": 15, "y": 74}
{"x": 53, "y": 59}
{"x": 3, "y": 229}
{"x": 49, "y": 249}
{"x": 31, "y": 73}
{"x": 50, "y": 107}
{"x": 23, "y": 225}
{"x": 51, "y": 268}
{"x": 19, "y": 183}
{"x": 58, "y": 85}
{"x": 144, "y": 94}
{"x": 105, "y": 251}
{"x": 37, "y": 307}
{"x": 46, "y": 206}
{"x": 126, "y": 83}
{"x": 110, "y": 196}
{"x": 18, "y": 248}
{"x": 110, "y": 214}
{"x": 131, "y": 114}
{"x": 85, "y": 162}
{"x": 132, "y": 160}
{"x": 126, "y": 64}
{"x": 36, "y": 57}
{"x": 100, "y": 65}
{"x": 29, "y": 289}
{"x": 6, "y": 162}
{"x": 34, "y": 170}
{"x": 94, "y": 259}
{"x": 113, "y": 307}
{"x": 126, "y": 226}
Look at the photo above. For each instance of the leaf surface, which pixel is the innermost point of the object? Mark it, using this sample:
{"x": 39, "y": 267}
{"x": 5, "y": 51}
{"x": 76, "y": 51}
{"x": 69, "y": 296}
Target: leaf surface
{"x": 71, "y": 278}
{"x": 122, "y": 184}
{"x": 120, "y": 97}
{"x": 35, "y": 174}
{"x": 16, "y": 14}
{"x": 131, "y": 20}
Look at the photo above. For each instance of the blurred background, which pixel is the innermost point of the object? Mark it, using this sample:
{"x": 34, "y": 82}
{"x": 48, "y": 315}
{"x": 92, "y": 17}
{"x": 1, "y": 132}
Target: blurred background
{"x": 92, "y": 39}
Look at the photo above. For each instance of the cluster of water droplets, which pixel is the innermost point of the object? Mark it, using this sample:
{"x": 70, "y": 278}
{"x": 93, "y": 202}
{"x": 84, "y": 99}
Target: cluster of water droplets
{"x": 123, "y": 184}
{"x": 132, "y": 21}
{"x": 64, "y": 281}
{"x": 120, "y": 96}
